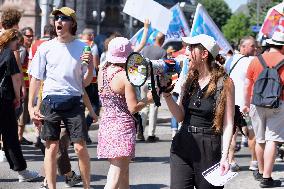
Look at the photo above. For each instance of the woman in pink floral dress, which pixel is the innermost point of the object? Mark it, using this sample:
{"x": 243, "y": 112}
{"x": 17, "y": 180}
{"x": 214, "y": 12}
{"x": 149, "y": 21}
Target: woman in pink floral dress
{"x": 116, "y": 138}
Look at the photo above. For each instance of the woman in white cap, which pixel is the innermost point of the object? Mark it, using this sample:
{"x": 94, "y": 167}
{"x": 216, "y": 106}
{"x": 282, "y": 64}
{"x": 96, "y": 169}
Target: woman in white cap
{"x": 206, "y": 108}
{"x": 116, "y": 137}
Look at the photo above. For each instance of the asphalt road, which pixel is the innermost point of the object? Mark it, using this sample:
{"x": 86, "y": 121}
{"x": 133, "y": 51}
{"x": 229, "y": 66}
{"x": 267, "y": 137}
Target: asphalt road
{"x": 149, "y": 170}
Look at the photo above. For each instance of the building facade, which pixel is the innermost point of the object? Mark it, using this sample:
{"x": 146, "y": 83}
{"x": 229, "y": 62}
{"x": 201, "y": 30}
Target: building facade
{"x": 29, "y": 9}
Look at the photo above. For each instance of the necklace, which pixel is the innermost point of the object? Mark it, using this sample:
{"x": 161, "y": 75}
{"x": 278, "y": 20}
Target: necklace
{"x": 204, "y": 81}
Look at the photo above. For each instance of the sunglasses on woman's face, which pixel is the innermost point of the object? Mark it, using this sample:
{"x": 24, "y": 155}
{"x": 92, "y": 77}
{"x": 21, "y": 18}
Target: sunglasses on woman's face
{"x": 62, "y": 18}
{"x": 29, "y": 36}
{"x": 199, "y": 95}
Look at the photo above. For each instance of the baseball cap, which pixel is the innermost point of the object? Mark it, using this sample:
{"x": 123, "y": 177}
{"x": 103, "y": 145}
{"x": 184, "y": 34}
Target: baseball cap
{"x": 119, "y": 48}
{"x": 66, "y": 11}
{"x": 206, "y": 41}
{"x": 277, "y": 39}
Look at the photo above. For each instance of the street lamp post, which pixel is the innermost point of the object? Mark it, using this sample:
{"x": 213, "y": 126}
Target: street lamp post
{"x": 99, "y": 17}
{"x": 44, "y": 13}
{"x": 46, "y": 7}
{"x": 130, "y": 26}
{"x": 257, "y": 13}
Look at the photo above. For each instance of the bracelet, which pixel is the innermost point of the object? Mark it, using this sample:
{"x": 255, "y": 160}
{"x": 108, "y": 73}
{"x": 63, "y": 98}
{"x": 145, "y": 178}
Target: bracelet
{"x": 168, "y": 95}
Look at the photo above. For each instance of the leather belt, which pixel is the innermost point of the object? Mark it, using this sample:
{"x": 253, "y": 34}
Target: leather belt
{"x": 193, "y": 129}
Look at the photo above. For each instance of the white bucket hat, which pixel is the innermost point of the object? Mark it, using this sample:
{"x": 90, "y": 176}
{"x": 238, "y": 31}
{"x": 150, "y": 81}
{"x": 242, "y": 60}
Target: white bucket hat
{"x": 277, "y": 39}
{"x": 206, "y": 41}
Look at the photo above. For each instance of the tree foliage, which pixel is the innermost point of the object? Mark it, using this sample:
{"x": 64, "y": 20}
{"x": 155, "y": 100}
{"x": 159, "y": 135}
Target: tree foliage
{"x": 264, "y": 6}
{"x": 237, "y": 27}
{"x": 218, "y": 10}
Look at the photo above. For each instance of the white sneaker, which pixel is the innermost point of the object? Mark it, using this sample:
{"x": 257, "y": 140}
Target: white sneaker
{"x": 2, "y": 156}
{"x": 43, "y": 186}
{"x": 26, "y": 175}
{"x": 279, "y": 159}
{"x": 253, "y": 166}
{"x": 174, "y": 132}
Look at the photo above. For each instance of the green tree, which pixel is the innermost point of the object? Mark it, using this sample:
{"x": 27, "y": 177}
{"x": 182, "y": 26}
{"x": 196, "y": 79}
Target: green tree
{"x": 218, "y": 10}
{"x": 237, "y": 27}
{"x": 264, "y": 6}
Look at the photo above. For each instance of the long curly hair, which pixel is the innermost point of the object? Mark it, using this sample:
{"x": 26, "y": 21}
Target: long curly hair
{"x": 7, "y": 37}
{"x": 217, "y": 72}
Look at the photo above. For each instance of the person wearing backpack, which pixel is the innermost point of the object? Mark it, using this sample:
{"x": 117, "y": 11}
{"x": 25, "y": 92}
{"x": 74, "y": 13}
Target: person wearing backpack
{"x": 236, "y": 67}
{"x": 264, "y": 100}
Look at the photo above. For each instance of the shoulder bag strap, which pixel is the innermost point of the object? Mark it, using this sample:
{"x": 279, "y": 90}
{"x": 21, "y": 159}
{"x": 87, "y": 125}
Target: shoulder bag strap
{"x": 279, "y": 65}
{"x": 228, "y": 64}
{"x": 219, "y": 88}
{"x": 262, "y": 61}
{"x": 235, "y": 65}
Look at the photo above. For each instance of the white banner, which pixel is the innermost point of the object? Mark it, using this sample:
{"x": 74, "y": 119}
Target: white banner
{"x": 158, "y": 15}
{"x": 178, "y": 28}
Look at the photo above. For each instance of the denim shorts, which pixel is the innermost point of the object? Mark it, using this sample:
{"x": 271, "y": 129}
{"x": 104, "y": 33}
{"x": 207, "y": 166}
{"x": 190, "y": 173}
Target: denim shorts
{"x": 73, "y": 119}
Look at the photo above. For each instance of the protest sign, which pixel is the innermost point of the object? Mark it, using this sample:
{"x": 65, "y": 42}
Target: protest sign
{"x": 158, "y": 15}
{"x": 178, "y": 28}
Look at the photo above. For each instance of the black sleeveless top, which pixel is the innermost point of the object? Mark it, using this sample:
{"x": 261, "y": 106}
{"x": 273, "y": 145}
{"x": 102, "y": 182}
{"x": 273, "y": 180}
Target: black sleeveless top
{"x": 199, "y": 111}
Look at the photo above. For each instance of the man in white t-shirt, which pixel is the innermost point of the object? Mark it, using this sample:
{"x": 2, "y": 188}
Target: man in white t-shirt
{"x": 237, "y": 67}
{"x": 58, "y": 63}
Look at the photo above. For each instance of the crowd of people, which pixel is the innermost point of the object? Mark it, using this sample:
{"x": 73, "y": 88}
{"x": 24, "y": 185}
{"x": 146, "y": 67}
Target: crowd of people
{"x": 50, "y": 81}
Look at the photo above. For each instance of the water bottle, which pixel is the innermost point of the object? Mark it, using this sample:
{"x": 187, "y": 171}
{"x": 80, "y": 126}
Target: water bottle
{"x": 85, "y": 63}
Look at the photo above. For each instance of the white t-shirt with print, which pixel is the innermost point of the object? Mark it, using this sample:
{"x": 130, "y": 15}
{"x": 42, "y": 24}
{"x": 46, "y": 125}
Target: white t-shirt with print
{"x": 59, "y": 66}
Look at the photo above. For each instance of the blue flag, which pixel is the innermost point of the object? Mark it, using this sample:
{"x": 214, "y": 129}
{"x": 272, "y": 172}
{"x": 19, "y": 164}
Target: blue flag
{"x": 203, "y": 24}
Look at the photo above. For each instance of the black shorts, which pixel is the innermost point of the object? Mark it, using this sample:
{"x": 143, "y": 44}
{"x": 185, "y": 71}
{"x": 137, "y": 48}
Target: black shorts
{"x": 73, "y": 119}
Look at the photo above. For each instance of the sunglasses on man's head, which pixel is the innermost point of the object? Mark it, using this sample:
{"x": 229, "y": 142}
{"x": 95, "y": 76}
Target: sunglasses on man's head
{"x": 62, "y": 18}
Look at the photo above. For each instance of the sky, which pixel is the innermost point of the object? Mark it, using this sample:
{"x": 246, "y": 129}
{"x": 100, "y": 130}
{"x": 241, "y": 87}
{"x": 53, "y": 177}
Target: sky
{"x": 234, "y": 4}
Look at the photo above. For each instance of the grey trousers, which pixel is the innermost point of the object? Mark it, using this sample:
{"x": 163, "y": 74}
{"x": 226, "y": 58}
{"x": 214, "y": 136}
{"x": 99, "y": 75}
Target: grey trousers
{"x": 151, "y": 110}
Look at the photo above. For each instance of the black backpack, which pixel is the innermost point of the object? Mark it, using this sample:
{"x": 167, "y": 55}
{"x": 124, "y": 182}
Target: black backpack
{"x": 268, "y": 87}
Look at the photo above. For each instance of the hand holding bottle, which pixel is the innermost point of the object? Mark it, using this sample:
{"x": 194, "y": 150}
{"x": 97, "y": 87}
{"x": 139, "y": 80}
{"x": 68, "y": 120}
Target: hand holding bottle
{"x": 87, "y": 58}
